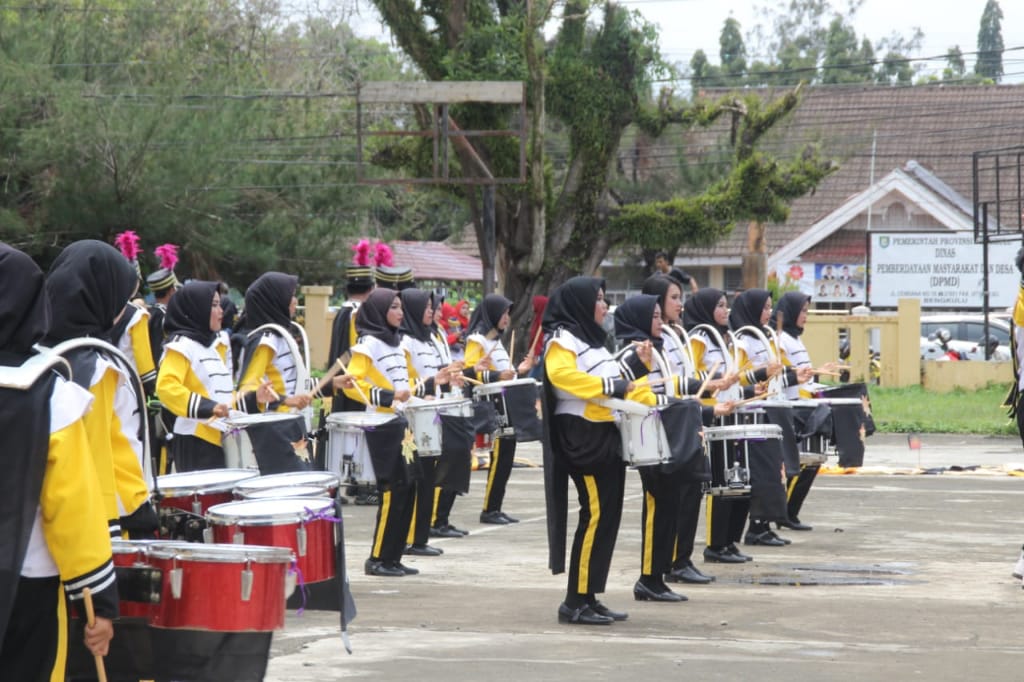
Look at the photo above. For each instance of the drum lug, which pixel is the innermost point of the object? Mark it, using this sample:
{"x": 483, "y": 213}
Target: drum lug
{"x": 208, "y": 535}
{"x": 197, "y": 506}
{"x": 300, "y": 537}
{"x": 247, "y": 582}
{"x": 177, "y": 574}
{"x": 291, "y": 579}
{"x": 239, "y": 537}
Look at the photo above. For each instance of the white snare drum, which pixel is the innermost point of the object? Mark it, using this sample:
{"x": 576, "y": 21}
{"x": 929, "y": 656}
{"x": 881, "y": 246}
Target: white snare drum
{"x": 501, "y": 393}
{"x": 644, "y": 441}
{"x": 425, "y": 421}
{"x": 325, "y": 481}
{"x": 347, "y": 452}
{"x": 197, "y": 491}
{"x": 238, "y": 449}
{"x": 728, "y": 449}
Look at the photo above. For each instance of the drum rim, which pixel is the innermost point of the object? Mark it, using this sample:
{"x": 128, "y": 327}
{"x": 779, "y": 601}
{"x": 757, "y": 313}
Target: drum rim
{"x": 314, "y": 491}
{"x": 337, "y": 419}
{"x": 496, "y": 386}
{"x": 733, "y": 431}
{"x": 270, "y": 519}
{"x": 242, "y": 421}
{"x": 222, "y": 553}
{"x": 169, "y": 488}
{"x": 283, "y": 476}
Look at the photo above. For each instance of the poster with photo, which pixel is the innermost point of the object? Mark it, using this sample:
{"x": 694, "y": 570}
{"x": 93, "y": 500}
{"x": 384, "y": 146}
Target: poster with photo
{"x": 838, "y": 283}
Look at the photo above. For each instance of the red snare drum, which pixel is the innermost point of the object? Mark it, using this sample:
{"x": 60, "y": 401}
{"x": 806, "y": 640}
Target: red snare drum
{"x": 197, "y": 491}
{"x": 224, "y": 588}
{"x": 134, "y": 554}
{"x": 324, "y": 480}
{"x": 305, "y": 525}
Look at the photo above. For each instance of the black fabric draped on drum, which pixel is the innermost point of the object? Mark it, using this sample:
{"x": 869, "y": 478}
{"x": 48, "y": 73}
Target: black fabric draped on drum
{"x": 384, "y": 442}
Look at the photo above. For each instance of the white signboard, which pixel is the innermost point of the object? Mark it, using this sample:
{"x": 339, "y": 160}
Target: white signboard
{"x": 941, "y": 269}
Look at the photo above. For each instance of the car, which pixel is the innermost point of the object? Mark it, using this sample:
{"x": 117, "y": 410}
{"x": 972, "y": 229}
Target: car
{"x": 967, "y": 332}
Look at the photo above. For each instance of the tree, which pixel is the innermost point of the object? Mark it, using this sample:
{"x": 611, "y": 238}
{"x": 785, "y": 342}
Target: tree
{"x": 732, "y": 52}
{"x": 955, "y": 67}
{"x": 989, "y": 63}
{"x": 594, "y": 81}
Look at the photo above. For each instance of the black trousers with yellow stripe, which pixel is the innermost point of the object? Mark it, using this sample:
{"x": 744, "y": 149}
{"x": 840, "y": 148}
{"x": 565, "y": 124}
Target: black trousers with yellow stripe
{"x": 691, "y": 494}
{"x": 423, "y": 503}
{"x": 600, "y": 493}
{"x": 502, "y": 457}
{"x": 393, "y": 518}
{"x": 659, "y": 520}
{"x": 797, "y": 488}
{"x": 444, "y": 500}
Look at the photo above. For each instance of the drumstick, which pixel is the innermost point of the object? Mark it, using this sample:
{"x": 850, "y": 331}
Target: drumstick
{"x": 825, "y": 372}
{"x": 512, "y": 349}
{"x": 359, "y": 390}
{"x": 331, "y": 373}
{"x": 536, "y": 336}
{"x": 90, "y": 618}
{"x": 753, "y": 399}
{"x": 707, "y": 378}
{"x": 473, "y": 381}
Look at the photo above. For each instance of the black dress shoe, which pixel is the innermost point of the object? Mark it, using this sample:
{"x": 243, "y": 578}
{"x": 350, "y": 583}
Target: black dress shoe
{"x": 600, "y": 609}
{"x": 735, "y": 551}
{"x": 766, "y": 538}
{"x": 642, "y": 592}
{"x": 445, "y": 532}
{"x": 688, "y": 574}
{"x": 510, "y": 519}
{"x": 721, "y": 556}
{"x": 584, "y": 615}
{"x": 423, "y": 550}
{"x": 406, "y": 570}
{"x": 495, "y": 517}
{"x": 458, "y": 530}
{"x": 794, "y": 524}
{"x": 381, "y": 570}
{"x": 785, "y": 541}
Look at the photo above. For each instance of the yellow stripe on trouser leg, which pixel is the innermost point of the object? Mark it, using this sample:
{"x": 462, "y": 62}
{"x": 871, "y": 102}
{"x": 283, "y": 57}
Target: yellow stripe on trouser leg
{"x": 707, "y": 521}
{"x": 378, "y": 536}
{"x": 410, "y": 538}
{"x": 495, "y": 452}
{"x": 648, "y": 557}
{"x": 588, "y": 537}
{"x": 792, "y": 484}
{"x": 433, "y": 511}
{"x": 57, "y": 674}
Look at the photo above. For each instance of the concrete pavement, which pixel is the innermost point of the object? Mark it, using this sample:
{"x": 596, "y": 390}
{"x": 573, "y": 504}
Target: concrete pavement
{"x": 903, "y": 577}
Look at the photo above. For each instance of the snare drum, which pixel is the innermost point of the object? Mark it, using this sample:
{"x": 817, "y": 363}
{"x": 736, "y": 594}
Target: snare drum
{"x": 644, "y": 441}
{"x": 197, "y": 491}
{"x": 133, "y": 555}
{"x": 290, "y": 491}
{"x": 515, "y": 401}
{"x": 347, "y": 452}
{"x": 224, "y": 588}
{"x": 728, "y": 449}
{"x": 304, "y": 525}
{"x": 324, "y": 481}
{"x": 425, "y": 421}
{"x": 241, "y": 449}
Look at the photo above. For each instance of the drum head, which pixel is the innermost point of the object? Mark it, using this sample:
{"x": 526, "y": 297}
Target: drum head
{"x": 320, "y": 479}
{"x": 499, "y": 386}
{"x": 207, "y": 480}
{"x": 270, "y": 512}
{"x": 354, "y": 421}
{"x": 290, "y": 491}
{"x": 246, "y": 420}
{"x": 224, "y": 553}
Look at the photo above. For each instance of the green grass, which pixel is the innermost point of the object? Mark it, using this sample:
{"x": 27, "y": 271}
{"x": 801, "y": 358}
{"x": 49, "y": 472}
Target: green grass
{"x": 914, "y": 410}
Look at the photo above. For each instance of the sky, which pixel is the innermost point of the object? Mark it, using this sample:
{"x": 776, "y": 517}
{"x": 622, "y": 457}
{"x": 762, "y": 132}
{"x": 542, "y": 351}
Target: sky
{"x": 689, "y": 25}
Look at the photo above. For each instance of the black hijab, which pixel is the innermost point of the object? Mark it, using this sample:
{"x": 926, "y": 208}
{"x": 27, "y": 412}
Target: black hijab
{"x": 88, "y": 286}
{"x": 633, "y": 319}
{"x": 414, "y": 302}
{"x": 700, "y": 309}
{"x": 747, "y": 308}
{"x": 789, "y": 306}
{"x": 268, "y": 299}
{"x": 24, "y": 307}
{"x": 372, "y": 319}
{"x": 488, "y": 314}
{"x": 571, "y": 307}
{"x": 188, "y": 312}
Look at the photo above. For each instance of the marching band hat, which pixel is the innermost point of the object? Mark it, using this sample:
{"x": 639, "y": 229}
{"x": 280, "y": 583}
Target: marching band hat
{"x": 359, "y": 275}
{"x": 161, "y": 281}
{"x": 397, "y": 278}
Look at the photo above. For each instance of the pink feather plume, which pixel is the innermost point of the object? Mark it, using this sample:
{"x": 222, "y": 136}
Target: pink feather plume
{"x": 168, "y": 255}
{"x": 383, "y": 255}
{"x": 128, "y": 243}
{"x": 362, "y": 253}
